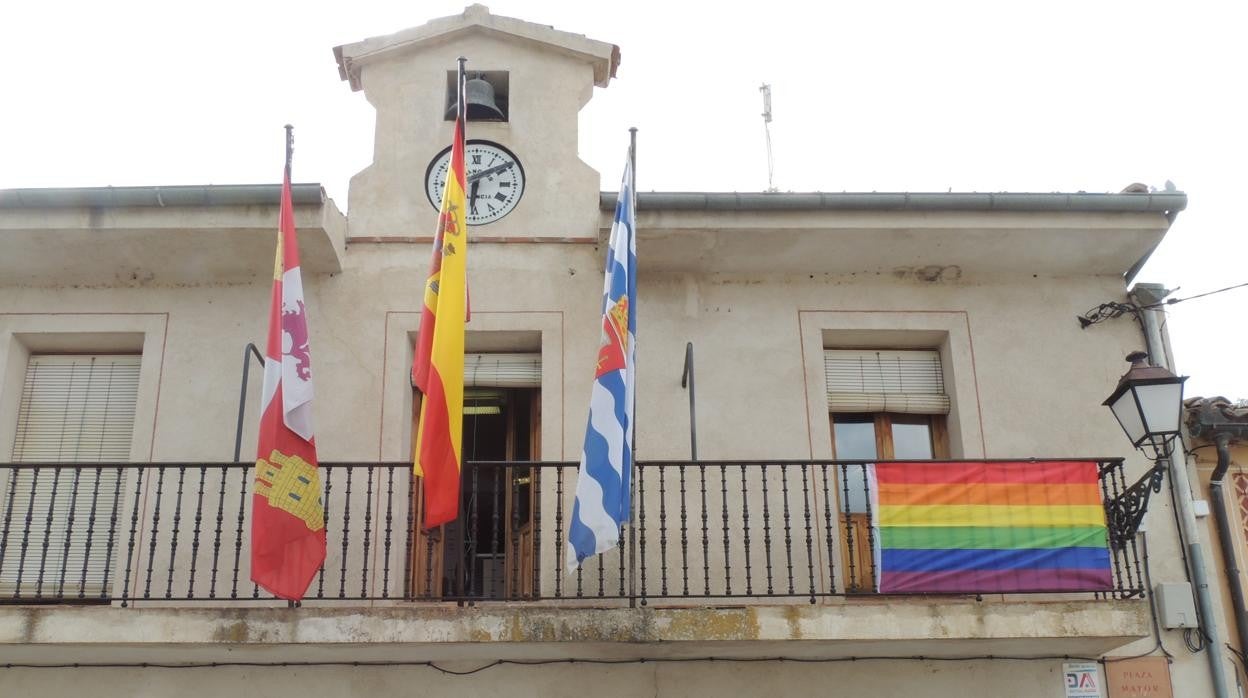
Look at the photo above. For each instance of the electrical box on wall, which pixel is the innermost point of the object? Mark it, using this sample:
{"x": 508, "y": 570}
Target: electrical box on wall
{"x": 1175, "y": 605}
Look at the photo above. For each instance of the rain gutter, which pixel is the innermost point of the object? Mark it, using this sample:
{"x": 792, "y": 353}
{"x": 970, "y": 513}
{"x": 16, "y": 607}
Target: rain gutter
{"x": 160, "y": 197}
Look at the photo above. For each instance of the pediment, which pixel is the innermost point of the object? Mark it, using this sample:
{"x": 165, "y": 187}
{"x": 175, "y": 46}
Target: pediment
{"x": 604, "y": 57}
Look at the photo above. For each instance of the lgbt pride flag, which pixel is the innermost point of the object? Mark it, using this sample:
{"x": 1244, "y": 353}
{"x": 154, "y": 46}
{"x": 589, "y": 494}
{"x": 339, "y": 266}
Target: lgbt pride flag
{"x": 995, "y": 527}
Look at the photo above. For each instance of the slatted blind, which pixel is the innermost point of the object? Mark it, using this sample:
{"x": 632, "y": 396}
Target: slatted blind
{"x": 871, "y": 380}
{"x": 503, "y": 370}
{"x": 73, "y": 409}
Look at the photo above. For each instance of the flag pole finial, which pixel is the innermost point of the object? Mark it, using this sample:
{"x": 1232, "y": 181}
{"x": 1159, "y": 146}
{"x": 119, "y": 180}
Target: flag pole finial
{"x": 290, "y": 146}
{"x": 461, "y": 92}
{"x": 632, "y": 157}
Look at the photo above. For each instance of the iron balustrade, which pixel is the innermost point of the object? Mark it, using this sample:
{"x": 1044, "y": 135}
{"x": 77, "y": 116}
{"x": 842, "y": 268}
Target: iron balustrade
{"x": 144, "y": 533}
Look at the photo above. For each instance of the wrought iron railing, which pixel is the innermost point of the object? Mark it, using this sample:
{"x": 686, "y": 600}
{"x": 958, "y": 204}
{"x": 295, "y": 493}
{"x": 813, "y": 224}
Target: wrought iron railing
{"x": 178, "y": 532}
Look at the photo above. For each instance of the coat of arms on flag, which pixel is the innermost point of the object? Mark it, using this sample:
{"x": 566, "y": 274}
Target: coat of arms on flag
{"x": 604, "y": 478}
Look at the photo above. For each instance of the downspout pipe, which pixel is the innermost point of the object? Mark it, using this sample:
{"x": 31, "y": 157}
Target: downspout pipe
{"x": 1222, "y": 442}
{"x": 1189, "y": 533}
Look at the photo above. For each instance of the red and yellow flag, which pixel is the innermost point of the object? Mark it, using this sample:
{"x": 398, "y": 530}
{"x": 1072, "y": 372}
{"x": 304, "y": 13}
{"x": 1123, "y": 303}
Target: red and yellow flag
{"x": 288, "y": 519}
{"x": 438, "y": 367}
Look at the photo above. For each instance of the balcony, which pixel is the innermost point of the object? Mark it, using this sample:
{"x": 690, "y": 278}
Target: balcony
{"x": 717, "y": 551}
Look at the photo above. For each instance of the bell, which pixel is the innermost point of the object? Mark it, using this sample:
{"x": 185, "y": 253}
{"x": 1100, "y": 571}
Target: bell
{"x": 481, "y": 106}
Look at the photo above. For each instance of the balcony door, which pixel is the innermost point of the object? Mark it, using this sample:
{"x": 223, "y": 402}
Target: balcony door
{"x": 868, "y": 438}
{"x": 489, "y": 552}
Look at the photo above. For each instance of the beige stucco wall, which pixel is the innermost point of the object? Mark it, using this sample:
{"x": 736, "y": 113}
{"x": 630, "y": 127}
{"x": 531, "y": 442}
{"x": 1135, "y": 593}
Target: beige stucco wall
{"x": 1017, "y": 352}
{"x": 1040, "y": 679}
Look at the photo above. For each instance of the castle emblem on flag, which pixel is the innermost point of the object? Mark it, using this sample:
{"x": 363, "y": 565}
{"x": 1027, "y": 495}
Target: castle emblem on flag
{"x": 291, "y": 484}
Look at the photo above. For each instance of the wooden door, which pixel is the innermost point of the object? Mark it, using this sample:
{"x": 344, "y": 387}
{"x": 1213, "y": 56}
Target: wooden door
{"x": 426, "y": 563}
{"x": 427, "y": 559}
{"x": 522, "y": 501}
{"x": 519, "y": 547}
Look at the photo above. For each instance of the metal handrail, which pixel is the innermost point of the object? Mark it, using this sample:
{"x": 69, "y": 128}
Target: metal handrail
{"x": 248, "y": 352}
{"x": 705, "y": 529}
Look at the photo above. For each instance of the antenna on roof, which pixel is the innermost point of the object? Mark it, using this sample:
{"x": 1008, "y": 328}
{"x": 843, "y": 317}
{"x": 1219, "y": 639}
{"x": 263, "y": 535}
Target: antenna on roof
{"x": 771, "y": 164}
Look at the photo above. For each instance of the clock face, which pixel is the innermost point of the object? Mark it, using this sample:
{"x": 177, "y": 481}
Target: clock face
{"x": 495, "y": 180}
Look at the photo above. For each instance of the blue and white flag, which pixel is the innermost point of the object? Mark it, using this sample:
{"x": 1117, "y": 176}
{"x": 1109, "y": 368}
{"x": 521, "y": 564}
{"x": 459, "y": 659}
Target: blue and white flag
{"x": 602, "y": 486}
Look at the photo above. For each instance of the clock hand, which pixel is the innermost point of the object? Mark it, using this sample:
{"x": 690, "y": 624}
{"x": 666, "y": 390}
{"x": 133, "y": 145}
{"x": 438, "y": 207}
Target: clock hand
{"x": 472, "y": 195}
{"x": 476, "y": 176}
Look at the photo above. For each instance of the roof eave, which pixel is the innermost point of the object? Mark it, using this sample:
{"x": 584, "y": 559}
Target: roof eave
{"x": 1169, "y": 203}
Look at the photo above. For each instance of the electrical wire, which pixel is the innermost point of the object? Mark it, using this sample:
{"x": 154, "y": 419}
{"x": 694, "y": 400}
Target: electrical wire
{"x": 1152, "y": 612}
{"x": 1178, "y": 524}
{"x": 547, "y": 662}
{"x": 1173, "y": 301}
{"x": 1195, "y": 639}
{"x": 1113, "y": 309}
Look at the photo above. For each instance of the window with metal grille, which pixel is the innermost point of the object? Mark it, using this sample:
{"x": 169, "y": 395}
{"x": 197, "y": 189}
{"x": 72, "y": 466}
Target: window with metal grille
{"x": 73, "y": 409}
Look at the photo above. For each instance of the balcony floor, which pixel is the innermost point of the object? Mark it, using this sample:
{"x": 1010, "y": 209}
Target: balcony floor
{"x": 380, "y": 632}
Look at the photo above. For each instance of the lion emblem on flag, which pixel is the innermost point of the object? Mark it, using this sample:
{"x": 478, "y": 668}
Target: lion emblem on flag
{"x": 295, "y": 326}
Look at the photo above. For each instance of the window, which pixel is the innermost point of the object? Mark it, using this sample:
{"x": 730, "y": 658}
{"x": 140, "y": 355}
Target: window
{"x": 73, "y": 409}
{"x": 883, "y": 405}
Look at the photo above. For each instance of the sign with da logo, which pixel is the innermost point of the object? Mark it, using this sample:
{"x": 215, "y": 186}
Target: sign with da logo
{"x": 1083, "y": 679}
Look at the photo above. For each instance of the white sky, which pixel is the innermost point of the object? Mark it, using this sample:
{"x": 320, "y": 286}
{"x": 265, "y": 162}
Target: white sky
{"x": 911, "y": 96}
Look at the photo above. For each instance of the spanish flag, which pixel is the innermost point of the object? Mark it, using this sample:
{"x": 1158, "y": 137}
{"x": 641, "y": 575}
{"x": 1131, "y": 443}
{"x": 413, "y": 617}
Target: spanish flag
{"x": 288, "y": 519}
{"x": 438, "y": 367}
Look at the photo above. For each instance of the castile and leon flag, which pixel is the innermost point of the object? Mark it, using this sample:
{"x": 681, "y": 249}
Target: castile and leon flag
{"x": 288, "y": 517}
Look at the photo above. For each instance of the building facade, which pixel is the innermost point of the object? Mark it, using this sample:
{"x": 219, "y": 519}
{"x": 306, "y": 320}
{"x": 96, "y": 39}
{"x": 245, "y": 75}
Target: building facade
{"x": 826, "y": 332}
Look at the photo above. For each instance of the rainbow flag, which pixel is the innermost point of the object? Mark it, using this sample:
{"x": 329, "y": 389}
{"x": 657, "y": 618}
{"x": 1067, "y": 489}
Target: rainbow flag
{"x": 996, "y": 527}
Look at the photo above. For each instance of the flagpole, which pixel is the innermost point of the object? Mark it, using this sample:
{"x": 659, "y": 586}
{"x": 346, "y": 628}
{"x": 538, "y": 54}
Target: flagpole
{"x": 290, "y": 150}
{"x": 632, "y": 480}
{"x": 632, "y": 158}
{"x": 290, "y": 147}
{"x": 461, "y": 89}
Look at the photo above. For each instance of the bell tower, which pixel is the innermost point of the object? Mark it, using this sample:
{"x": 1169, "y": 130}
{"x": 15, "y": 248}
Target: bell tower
{"x": 527, "y": 84}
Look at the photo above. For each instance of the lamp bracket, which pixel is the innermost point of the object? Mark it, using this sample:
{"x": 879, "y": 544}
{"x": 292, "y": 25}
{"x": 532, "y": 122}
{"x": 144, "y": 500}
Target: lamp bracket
{"x": 1125, "y": 513}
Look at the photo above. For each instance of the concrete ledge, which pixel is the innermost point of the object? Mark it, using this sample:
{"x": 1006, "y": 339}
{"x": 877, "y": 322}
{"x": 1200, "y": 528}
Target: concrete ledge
{"x": 220, "y": 239}
{"x": 420, "y": 633}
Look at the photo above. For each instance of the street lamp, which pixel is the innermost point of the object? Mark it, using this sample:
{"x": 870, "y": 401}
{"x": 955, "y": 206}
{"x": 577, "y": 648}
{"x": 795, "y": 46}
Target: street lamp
{"x": 1148, "y": 403}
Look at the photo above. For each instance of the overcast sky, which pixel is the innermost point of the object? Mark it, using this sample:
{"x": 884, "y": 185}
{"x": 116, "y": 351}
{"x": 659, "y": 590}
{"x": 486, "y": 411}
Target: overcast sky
{"x": 922, "y": 96}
